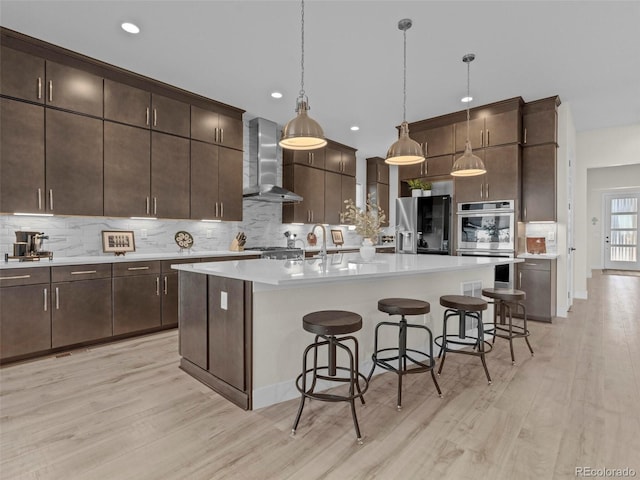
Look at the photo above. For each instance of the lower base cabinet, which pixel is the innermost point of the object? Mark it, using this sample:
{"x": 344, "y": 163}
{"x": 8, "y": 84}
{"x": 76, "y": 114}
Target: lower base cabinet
{"x": 136, "y": 303}
{"x": 537, "y": 278}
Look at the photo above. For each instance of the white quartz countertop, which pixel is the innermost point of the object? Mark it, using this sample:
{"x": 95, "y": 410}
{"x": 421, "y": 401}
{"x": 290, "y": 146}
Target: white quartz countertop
{"x": 129, "y": 257}
{"x": 541, "y": 256}
{"x": 332, "y": 247}
{"x": 339, "y": 267}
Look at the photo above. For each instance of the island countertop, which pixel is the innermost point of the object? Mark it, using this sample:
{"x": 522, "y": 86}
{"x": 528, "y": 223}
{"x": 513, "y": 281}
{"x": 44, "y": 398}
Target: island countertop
{"x": 339, "y": 267}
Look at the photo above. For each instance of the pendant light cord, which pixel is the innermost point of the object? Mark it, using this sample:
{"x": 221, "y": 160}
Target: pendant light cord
{"x": 468, "y": 96}
{"x": 302, "y": 55}
{"x": 404, "y": 85}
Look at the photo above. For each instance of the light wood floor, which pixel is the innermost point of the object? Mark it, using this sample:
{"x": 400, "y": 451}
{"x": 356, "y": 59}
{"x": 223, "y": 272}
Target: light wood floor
{"x": 125, "y": 411}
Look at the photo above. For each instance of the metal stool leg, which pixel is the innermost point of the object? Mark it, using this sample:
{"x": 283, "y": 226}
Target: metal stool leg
{"x": 481, "y": 346}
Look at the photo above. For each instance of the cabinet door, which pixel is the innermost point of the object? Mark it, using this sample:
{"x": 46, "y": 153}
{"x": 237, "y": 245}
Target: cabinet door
{"x": 81, "y": 311}
{"x": 502, "y": 128}
{"x": 193, "y": 318}
{"x": 407, "y": 172}
{"x": 539, "y": 183}
{"x": 333, "y": 159}
{"x": 25, "y": 320}
{"x": 476, "y": 134}
{"x": 231, "y": 132}
{"x": 349, "y": 163}
{"x": 136, "y": 303}
{"x": 126, "y": 104}
{"x": 348, "y": 192}
{"x": 127, "y": 164}
{"x": 74, "y": 162}
{"x": 537, "y": 285}
{"x": 21, "y": 75}
{"x": 438, "y": 141}
{"x": 438, "y": 166}
{"x": 170, "y": 176}
{"x": 377, "y": 171}
{"x": 503, "y": 167}
{"x": 383, "y": 201}
{"x": 170, "y": 299}
{"x": 311, "y": 158}
{"x": 332, "y": 198}
{"x": 309, "y": 183}
{"x": 74, "y": 89}
{"x": 226, "y": 330}
{"x": 204, "y": 124}
{"x": 22, "y": 185}
{"x": 170, "y": 116}
{"x": 230, "y": 184}
{"x": 204, "y": 181}
{"x": 470, "y": 189}
{"x": 540, "y": 127}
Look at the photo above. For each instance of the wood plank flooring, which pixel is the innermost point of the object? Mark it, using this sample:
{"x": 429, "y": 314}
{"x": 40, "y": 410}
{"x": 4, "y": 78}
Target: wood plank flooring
{"x": 125, "y": 411}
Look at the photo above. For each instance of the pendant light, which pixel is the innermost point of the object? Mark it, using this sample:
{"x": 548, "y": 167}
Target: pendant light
{"x": 468, "y": 165}
{"x": 404, "y": 151}
{"x": 303, "y": 132}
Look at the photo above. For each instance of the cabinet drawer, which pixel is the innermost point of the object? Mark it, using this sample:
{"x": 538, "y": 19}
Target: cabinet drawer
{"x": 80, "y": 272}
{"x": 135, "y": 268}
{"x": 542, "y": 264}
{"x": 24, "y": 276}
{"x": 166, "y": 264}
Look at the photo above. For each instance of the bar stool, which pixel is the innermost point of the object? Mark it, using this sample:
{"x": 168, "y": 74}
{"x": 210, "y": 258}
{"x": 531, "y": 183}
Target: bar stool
{"x": 463, "y": 306}
{"x": 327, "y": 325}
{"x": 403, "y": 307}
{"x": 503, "y": 300}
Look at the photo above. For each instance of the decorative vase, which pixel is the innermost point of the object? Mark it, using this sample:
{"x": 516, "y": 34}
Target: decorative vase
{"x": 367, "y": 250}
{"x": 426, "y": 193}
{"x": 416, "y": 192}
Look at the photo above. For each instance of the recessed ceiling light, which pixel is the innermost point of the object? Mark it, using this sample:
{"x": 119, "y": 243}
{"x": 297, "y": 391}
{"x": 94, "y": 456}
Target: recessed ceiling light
{"x": 466, "y": 99}
{"x": 276, "y": 94}
{"x": 355, "y": 128}
{"x": 130, "y": 27}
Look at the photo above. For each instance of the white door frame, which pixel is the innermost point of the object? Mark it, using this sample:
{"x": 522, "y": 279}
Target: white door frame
{"x": 607, "y": 195}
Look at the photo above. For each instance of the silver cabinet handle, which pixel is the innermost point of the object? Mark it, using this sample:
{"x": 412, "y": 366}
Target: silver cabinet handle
{"x": 147, "y": 205}
{"x": 51, "y": 90}
{"x": 222, "y": 135}
{"x": 482, "y": 190}
{"x": 221, "y": 209}
{"x": 84, "y": 272}
{"x": 488, "y": 138}
{"x": 155, "y": 117}
{"x": 525, "y": 135}
{"x": 137, "y": 268}
{"x": 166, "y": 285}
{"x": 487, "y": 193}
{"x": 39, "y": 88}
{"x": 57, "y": 299}
{"x": 482, "y": 138}
{"x": 216, "y": 209}
{"x": 45, "y": 307}
{"x": 519, "y": 279}
{"x": 426, "y": 167}
{"x": 525, "y": 213}
{"x": 426, "y": 149}
{"x": 51, "y": 198}
{"x": 147, "y": 119}
{"x": 531, "y": 264}
{"x": 39, "y": 199}
{"x": 312, "y": 215}
{"x": 155, "y": 205}
{"x": 158, "y": 286}
{"x": 15, "y": 277}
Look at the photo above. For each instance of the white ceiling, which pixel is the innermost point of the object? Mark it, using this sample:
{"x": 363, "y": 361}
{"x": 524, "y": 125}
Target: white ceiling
{"x": 237, "y": 52}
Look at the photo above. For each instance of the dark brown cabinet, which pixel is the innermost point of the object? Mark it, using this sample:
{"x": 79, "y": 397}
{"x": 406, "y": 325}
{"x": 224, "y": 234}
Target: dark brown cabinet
{"x": 311, "y": 158}
{"x": 127, "y": 164}
{"x": 193, "y": 315}
{"x": 489, "y": 130}
{"x": 537, "y": 278}
{"x": 81, "y": 304}
{"x": 540, "y": 121}
{"x": 337, "y": 189}
{"x": 136, "y": 296}
{"x": 22, "y": 161}
{"x": 539, "y": 183}
{"x": 377, "y": 170}
{"x": 435, "y": 141}
{"x": 215, "y": 127}
{"x": 216, "y": 182}
{"x": 21, "y": 75}
{"x": 170, "y": 177}
{"x": 73, "y": 89}
{"x": 339, "y": 159}
{"x": 74, "y": 175}
{"x": 169, "y": 115}
{"x": 308, "y": 182}
{"x": 126, "y": 104}
{"x": 25, "y": 311}
{"x": 378, "y": 184}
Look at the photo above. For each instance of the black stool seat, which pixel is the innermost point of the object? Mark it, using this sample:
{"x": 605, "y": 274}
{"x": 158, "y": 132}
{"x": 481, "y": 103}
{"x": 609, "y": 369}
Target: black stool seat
{"x": 506, "y": 294}
{"x": 327, "y": 325}
{"x": 505, "y": 300}
{"x": 403, "y": 306}
{"x": 400, "y": 359}
{"x": 463, "y": 302}
{"x": 332, "y": 322}
{"x": 463, "y": 306}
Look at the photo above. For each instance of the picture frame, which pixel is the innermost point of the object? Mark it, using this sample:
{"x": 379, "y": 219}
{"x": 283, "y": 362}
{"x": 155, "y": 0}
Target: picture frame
{"x": 118, "y": 242}
{"x": 336, "y": 236}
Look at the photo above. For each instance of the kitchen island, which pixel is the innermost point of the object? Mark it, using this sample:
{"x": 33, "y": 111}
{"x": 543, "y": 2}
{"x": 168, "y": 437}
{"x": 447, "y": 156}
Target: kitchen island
{"x": 241, "y": 321}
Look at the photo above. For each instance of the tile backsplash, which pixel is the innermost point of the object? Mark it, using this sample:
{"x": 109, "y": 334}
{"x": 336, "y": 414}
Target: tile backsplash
{"x": 547, "y": 230}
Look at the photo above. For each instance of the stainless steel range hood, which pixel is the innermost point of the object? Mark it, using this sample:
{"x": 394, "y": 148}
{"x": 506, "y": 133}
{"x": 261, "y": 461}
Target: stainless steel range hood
{"x": 263, "y": 165}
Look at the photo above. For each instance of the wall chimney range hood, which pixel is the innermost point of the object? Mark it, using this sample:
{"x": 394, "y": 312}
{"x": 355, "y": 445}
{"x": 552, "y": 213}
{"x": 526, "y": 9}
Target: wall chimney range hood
{"x": 263, "y": 165}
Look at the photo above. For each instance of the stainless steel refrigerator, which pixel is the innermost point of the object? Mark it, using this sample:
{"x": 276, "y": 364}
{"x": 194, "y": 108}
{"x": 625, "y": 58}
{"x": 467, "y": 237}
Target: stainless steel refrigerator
{"x": 424, "y": 225}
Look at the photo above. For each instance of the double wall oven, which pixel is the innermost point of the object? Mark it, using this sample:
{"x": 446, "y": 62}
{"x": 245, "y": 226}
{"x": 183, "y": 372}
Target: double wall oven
{"x": 487, "y": 229}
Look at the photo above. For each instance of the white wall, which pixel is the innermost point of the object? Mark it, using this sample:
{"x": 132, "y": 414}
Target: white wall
{"x": 595, "y": 149}
{"x": 599, "y": 181}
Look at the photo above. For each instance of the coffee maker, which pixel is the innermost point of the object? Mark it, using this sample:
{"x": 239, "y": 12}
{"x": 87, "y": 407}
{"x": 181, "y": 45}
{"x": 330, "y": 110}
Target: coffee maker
{"x": 28, "y": 246}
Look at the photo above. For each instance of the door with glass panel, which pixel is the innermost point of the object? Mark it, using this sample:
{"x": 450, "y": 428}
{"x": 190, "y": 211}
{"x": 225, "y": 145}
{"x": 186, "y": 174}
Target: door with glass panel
{"x": 621, "y": 231}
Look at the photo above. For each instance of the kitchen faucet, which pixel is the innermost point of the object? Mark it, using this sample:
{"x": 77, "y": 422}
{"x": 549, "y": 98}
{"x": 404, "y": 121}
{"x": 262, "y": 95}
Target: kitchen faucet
{"x": 323, "y": 253}
{"x": 295, "y": 240}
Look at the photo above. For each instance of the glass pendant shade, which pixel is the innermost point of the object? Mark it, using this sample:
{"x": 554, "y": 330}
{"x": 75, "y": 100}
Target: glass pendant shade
{"x": 404, "y": 151}
{"x": 302, "y": 132}
{"x": 468, "y": 165}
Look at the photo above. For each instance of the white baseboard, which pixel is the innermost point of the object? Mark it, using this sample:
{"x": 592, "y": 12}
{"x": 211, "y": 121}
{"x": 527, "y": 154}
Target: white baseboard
{"x": 580, "y": 294}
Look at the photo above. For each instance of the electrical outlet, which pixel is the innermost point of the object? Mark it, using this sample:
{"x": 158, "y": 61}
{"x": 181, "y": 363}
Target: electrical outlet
{"x": 551, "y": 236}
{"x": 209, "y": 233}
{"x": 143, "y": 234}
{"x": 223, "y": 300}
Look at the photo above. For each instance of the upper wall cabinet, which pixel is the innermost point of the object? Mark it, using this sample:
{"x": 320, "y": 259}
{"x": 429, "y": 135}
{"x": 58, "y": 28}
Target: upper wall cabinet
{"x": 22, "y": 75}
{"x": 490, "y": 130}
{"x": 169, "y": 115}
{"x": 540, "y": 122}
{"x": 435, "y": 141}
{"x": 340, "y": 159}
{"x": 214, "y": 127}
{"x": 126, "y": 104}
{"x": 311, "y": 158}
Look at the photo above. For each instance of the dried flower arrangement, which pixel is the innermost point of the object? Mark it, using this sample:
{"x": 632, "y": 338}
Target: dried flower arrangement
{"x": 368, "y": 222}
